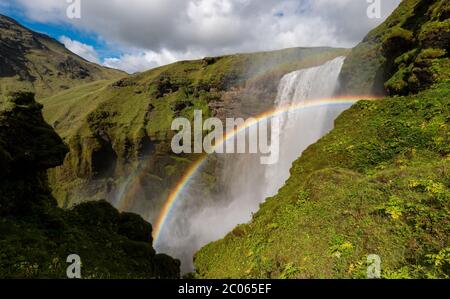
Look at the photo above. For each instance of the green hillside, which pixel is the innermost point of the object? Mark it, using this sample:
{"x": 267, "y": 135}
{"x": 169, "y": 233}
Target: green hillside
{"x": 378, "y": 183}
{"x": 110, "y": 126}
{"x": 35, "y": 62}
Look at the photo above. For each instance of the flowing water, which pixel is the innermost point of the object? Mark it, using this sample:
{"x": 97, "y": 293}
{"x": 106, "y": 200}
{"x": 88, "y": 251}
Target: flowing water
{"x": 202, "y": 215}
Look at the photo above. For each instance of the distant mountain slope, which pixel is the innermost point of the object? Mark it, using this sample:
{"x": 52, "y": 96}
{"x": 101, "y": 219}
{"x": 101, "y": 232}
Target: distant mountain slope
{"x": 39, "y": 63}
{"x": 110, "y": 126}
{"x": 378, "y": 183}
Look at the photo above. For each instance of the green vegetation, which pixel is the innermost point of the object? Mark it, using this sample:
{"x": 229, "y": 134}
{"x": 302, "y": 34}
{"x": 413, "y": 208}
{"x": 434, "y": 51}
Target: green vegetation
{"x": 37, "y": 236}
{"x": 415, "y": 26}
{"x": 379, "y": 183}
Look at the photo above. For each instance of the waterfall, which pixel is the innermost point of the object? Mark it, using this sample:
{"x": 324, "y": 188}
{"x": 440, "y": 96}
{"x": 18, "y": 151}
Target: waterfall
{"x": 244, "y": 183}
{"x": 300, "y": 128}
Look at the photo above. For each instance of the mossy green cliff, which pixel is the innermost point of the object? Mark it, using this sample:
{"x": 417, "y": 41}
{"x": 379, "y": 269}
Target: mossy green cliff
{"x": 419, "y": 31}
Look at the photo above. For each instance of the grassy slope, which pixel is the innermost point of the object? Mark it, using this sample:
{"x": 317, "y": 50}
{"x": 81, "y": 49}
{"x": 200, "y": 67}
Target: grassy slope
{"x": 134, "y": 114}
{"x": 141, "y": 90}
{"x": 35, "y": 62}
{"x": 377, "y": 184}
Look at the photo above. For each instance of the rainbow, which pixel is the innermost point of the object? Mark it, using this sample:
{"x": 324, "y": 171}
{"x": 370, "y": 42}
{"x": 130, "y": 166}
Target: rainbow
{"x": 184, "y": 181}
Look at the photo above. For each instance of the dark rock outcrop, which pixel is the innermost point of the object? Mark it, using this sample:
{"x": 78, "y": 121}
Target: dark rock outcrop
{"x": 36, "y": 236}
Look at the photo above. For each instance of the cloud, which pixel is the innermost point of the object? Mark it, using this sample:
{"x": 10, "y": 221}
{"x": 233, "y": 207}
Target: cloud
{"x": 149, "y": 30}
{"x": 130, "y": 63}
{"x": 133, "y": 63}
{"x": 86, "y": 51}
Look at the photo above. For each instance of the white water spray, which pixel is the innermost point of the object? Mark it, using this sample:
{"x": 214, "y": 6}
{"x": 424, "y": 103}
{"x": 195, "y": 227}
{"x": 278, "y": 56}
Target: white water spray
{"x": 300, "y": 128}
{"x": 201, "y": 217}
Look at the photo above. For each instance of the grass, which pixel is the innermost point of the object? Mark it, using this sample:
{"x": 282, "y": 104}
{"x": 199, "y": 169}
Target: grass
{"x": 377, "y": 184}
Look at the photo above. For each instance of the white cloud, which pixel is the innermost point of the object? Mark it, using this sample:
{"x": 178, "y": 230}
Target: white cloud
{"x": 132, "y": 63}
{"x": 158, "y": 29}
{"x": 86, "y": 51}
{"x": 129, "y": 63}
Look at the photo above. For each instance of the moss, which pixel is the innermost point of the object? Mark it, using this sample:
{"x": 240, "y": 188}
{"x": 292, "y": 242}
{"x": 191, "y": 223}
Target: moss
{"x": 436, "y": 35}
{"x": 398, "y": 83}
{"x": 398, "y": 41}
{"x": 431, "y": 53}
{"x": 441, "y": 11}
{"x": 388, "y": 53}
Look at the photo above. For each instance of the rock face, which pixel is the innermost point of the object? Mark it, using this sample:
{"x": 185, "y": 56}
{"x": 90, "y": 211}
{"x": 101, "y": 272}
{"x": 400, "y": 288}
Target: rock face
{"x": 37, "y": 236}
{"x": 28, "y": 147}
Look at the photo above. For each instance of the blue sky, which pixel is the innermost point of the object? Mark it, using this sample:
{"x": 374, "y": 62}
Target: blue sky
{"x": 58, "y": 30}
{"x": 135, "y": 35}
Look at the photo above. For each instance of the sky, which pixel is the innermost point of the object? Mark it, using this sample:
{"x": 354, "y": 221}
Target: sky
{"x": 136, "y": 35}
